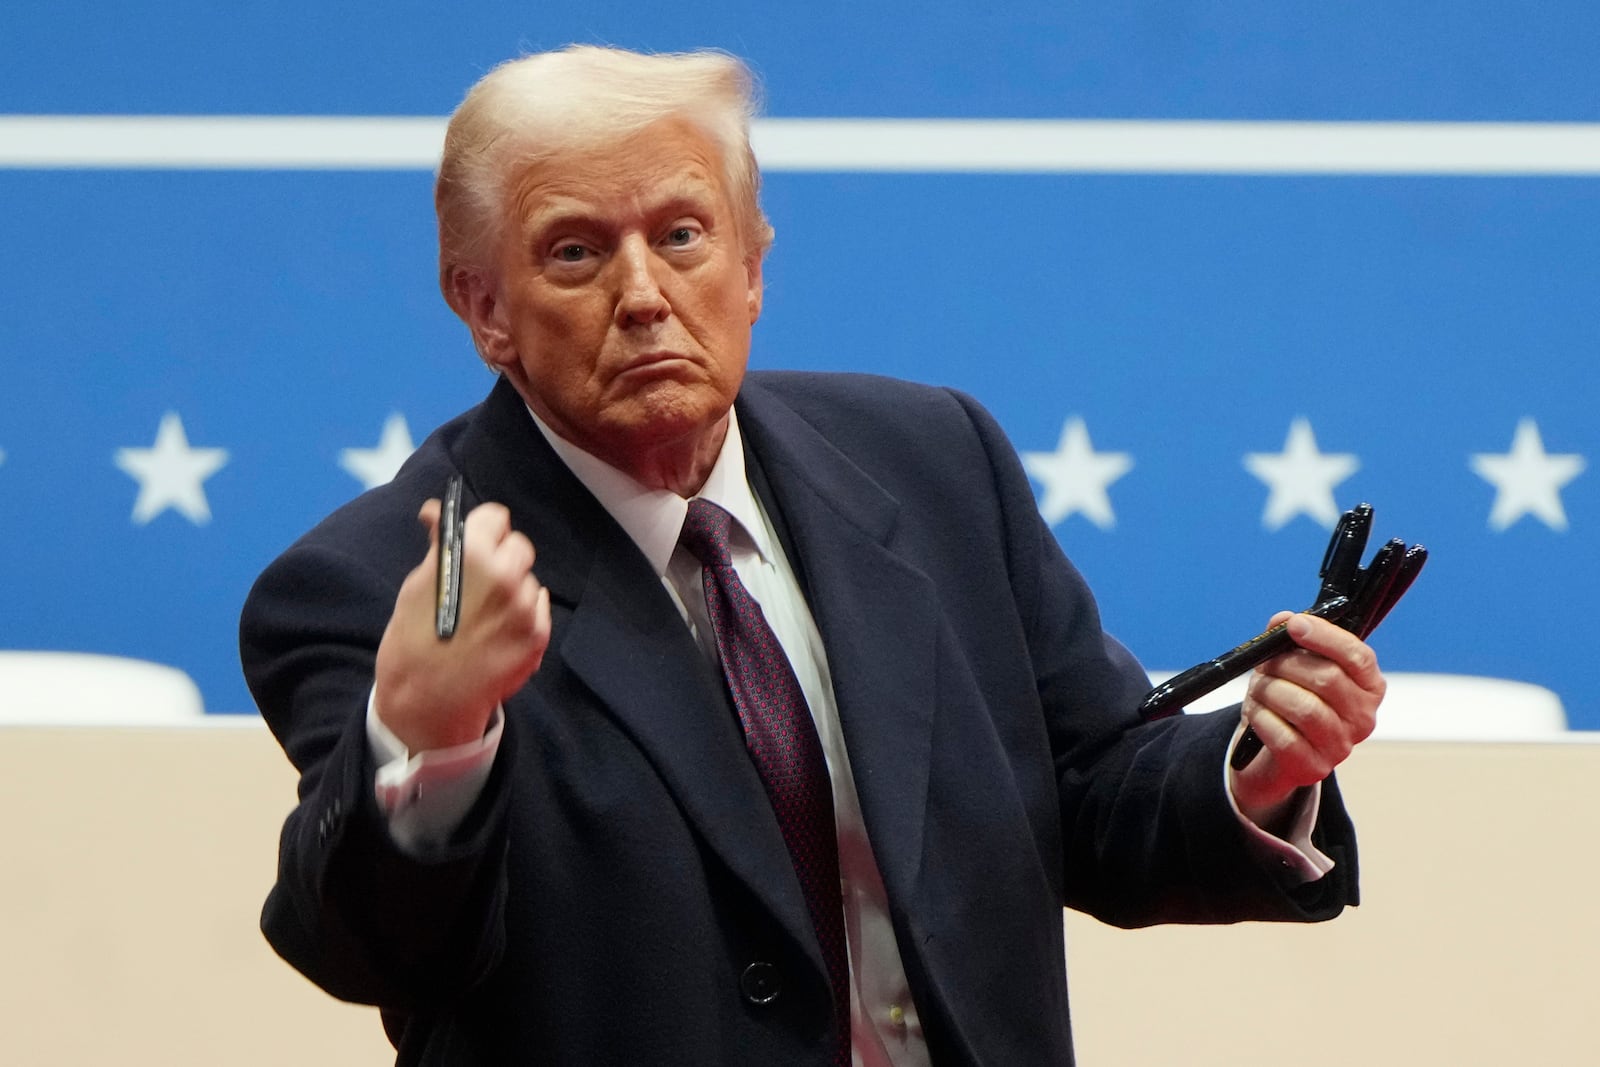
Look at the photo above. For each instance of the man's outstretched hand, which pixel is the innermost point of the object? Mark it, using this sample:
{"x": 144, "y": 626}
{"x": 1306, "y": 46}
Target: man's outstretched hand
{"x": 436, "y": 693}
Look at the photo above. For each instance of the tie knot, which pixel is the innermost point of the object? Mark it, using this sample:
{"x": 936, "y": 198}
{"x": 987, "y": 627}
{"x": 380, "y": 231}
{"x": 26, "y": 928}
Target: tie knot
{"x": 705, "y": 533}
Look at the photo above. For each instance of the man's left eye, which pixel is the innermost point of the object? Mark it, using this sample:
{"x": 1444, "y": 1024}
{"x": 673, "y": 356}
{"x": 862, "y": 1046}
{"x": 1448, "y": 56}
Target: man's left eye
{"x": 681, "y": 235}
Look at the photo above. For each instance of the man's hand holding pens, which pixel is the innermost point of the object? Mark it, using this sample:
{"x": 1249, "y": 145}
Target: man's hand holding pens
{"x": 1310, "y": 706}
{"x": 1316, "y": 686}
{"x": 434, "y": 692}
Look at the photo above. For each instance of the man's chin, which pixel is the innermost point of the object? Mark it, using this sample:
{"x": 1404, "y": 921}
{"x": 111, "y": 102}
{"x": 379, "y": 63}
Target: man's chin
{"x": 663, "y": 416}
{"x": 667, "y": 409}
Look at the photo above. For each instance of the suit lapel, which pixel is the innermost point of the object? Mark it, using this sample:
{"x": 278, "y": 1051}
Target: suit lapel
{"x": 627, "y": 643}
{"x": 877, "y": 616}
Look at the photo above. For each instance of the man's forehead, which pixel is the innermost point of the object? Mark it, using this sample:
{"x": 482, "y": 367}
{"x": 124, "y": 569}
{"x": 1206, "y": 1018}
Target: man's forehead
{"x": 580, "y": 198}
{"x": 665, "y": 163}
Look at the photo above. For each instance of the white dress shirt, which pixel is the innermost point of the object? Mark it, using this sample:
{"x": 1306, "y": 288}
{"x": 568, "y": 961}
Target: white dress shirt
{"x": 428, "y": 794}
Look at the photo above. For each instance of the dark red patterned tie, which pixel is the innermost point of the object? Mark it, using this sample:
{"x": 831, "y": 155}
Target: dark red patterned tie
{"x": 782, "y": 739}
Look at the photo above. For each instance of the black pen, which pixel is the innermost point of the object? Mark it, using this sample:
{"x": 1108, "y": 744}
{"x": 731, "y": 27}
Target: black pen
{"x": 1172, "y": 695}
{"x": 1341, "y": 563}
{"x": 1406, "y": 573}
{"x": 447, "y": 586}
{"x": 1342, "y": 576}
{"x": 1373, "y": 586}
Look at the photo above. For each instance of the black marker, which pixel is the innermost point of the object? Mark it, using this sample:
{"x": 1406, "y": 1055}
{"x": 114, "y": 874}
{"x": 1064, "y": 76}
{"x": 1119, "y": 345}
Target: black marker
{"x": 1373, "y": 588}
{"x": 1194, "y": 683}
{"x": 1341, "y": 563}
{"x": 447, "y": 587}
{"x": 1406, "y": 573}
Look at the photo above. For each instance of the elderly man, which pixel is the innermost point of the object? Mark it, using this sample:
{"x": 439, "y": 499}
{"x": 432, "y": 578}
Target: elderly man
{"x": 776, "y": 728}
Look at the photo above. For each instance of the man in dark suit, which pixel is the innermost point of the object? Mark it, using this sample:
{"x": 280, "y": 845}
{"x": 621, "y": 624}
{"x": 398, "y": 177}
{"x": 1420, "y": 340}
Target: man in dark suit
{"x": 587, "y": 828}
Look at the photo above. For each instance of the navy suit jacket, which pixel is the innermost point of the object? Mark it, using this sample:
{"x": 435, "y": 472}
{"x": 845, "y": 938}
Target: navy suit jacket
{"x": 622, "y": 884}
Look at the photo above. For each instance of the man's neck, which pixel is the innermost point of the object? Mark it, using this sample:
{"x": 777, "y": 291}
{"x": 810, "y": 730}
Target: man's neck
{"x": 680, "y": 467}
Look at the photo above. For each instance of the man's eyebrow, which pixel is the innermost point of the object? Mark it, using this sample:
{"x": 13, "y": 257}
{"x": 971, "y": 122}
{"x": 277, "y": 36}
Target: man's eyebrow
{"x": 561, "y": 217}
{"x": 684, "y": 203}
{"x": 686, "y": 197}
{"x": 559, "y": 210}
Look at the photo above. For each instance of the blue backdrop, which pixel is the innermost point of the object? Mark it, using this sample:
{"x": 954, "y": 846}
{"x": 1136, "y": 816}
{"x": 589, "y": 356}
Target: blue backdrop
{"x": 1185, "y": 321}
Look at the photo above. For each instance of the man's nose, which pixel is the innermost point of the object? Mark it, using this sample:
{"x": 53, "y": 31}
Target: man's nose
{"x": 640, "y": 298}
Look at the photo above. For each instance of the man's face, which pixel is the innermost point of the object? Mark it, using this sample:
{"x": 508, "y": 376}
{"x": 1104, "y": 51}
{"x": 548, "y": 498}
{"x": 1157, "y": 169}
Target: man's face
{"x": 625, "y": 296}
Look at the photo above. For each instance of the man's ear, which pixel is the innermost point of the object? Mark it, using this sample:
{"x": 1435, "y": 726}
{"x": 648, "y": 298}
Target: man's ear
{"x": 475, "y": 297}
{"x": 753, "y": 287}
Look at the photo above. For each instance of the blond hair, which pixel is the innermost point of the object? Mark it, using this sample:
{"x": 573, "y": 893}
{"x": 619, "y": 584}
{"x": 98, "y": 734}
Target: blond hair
{"x": 534, "y": 108}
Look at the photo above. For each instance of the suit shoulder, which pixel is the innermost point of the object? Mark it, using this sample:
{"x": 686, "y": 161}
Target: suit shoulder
{"x": 849, "y": 399}
{"x": 836, "y": 386}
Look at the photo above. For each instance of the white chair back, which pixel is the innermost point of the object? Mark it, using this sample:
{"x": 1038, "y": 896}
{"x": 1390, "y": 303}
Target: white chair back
{"x": 83, "y": 689}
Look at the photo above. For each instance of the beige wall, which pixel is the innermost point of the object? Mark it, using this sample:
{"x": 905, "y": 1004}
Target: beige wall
{"x": 136, "y": 860}
{"x": 1476, "y": 943}
{"x": 136, "y": 863}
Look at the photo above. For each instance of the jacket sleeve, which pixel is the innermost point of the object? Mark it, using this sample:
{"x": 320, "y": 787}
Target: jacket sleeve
{"x": 1147, "y": 832}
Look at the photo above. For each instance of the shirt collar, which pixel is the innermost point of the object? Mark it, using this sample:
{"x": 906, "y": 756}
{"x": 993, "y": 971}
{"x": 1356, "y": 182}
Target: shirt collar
{"x": 653, "y": 518}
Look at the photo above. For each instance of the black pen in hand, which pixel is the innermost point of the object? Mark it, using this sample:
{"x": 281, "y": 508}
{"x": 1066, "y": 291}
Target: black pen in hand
{"x": 1170, "y": 697}
{"x": 447, "y": 586}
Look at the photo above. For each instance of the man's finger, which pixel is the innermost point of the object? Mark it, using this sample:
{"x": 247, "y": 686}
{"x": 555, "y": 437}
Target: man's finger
{"x": 428, "y": 516}
{"x": 488, "y": 524}
{"x": 1352, "y": 654}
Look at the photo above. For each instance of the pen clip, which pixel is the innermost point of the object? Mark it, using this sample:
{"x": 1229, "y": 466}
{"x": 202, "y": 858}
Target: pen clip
{"x": 1341, "y": 563}
{"x": 447, "y": 582}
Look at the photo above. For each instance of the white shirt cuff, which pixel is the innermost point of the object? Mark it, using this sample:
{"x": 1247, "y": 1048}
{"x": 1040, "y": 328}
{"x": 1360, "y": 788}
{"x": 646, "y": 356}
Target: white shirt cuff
{"x": 1294, "y": 856}
{"x": 426, "y": 796}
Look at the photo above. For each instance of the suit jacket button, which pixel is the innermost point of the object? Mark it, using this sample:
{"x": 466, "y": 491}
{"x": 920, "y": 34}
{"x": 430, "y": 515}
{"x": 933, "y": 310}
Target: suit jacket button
{"x": 760, "y": 983}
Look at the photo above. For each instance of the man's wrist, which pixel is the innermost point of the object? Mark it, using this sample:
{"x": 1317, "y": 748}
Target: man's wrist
{"x": 1279, "y": 831}
{"x": 425, "y": 795}
{"x": 414, "y": 719}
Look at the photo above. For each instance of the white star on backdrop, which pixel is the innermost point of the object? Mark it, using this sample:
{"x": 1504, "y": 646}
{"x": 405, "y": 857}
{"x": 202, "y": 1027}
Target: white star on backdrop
{"x": 373, "y": 467}
{"x": 1301, "y": 478}
{"x": 1075, "y": 476}
{"x": 1527, "y": 479}
{"x": 170, "y": 473}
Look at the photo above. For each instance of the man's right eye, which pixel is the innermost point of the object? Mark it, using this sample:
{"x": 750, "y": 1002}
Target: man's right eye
{"x": 571, "y": 253}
